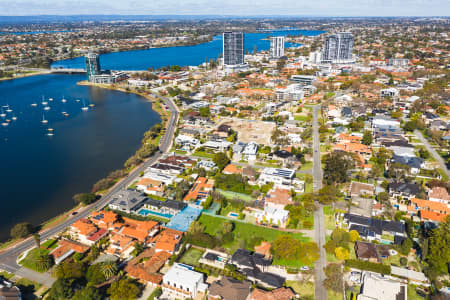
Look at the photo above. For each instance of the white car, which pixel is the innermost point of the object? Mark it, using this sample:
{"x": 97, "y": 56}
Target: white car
{"x": 304, "y": 268}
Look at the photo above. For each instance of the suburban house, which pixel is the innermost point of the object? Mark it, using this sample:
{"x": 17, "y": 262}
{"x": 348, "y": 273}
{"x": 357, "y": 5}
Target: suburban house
{"x": 404, "y": 190}
{"x": 439, "y": 194}
{"x": 200, "y": 190}
{"x": 120, "y": 245}
{"x": 280, "y": 177}
{"x": 377, "y": 286}
{"x": 255, "y": 267}
{"x": 375, "y": 229}
{"x": 358, "y": 189}
{"x": 274, "y": 203}
{"x": 427, "y": 210}
{"x": 228, "y": 288}
{"x": 150, "y": 186}
{"x": 126, "y": 200}
{"x": 371, "y": 252}
{"x": 168, "y": 169}
{"x": 104, "y": 219}
{"x": 168, "y": 207}
{"x": 66, "y": 248}
{"x": 181, "y": 281}
{"x": 86, "y": 232}
{"x": 139, "y": 230}
{"x": 146, "y": 265}
{"x": 167, "y": 240}
{"x": 277, "y": 294}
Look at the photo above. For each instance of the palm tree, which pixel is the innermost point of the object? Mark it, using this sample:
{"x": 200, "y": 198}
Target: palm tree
{"x": 37, "y": 240}
{"x": 43, "y": 262}
{"x": 109, "y": 269}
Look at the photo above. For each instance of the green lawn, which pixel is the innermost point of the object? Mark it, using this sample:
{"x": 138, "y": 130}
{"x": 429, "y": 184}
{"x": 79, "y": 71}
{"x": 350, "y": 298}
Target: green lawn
{"x": 304, "y": 289}
{"x": 308, "y": 186}
{"x": 301, "y": 118}
{"x": 32, "y": 255}
{"x": 335, "y": 296}
{"x": 329, "y": 217}
{"x": 244, "y": 232}
{"x": 232, "y": 195}
{"x": 6, "y": 275}
{"x": 412, "y": 294}
{"x": 307, "y": 166}
{"x": 191, "y": 256}
{"x": 203, "y": 154}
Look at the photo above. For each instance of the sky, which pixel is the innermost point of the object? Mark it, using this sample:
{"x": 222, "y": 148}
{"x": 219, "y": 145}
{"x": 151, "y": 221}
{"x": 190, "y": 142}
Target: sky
{"x": 227, "y": 7}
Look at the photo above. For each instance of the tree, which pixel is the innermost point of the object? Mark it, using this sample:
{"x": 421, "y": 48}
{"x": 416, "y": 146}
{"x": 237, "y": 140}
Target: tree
{"x": 124, "y": 289}
{"x": 109, "y": 269}
{"x": 84, "y": 198}
{"x": 221, "y": 160}
{"x": 87, "y": 293}
{"x": 334, "y": 280}
{"x": 341, "y": 253}
{"x": 438, "y": 249}
{"x": 61, "y": 289}
{"x": 367, "y": 138}
{"x": 94, "y": 274}
{"x": 37, "y": 241}
{"x": 398, "y": 171}
{"x": 308, "y": 253}
{"x": 204, "y": 111}
{"x": 21, "y": 230}
{"x": 354, "y": 235}
{"x": 71, "y": 269}
{"x": 286, "y": 247}
{"x": 43, "y": 262}
{"x": 383, "y": 197}
{"x": 337, "y": 165}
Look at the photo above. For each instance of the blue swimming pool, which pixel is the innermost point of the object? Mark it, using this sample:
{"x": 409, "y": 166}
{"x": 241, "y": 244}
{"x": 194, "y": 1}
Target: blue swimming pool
{"x": 198, "y": 202}
{"x": 232, "y": 214}
{"x": 145, "y": 212}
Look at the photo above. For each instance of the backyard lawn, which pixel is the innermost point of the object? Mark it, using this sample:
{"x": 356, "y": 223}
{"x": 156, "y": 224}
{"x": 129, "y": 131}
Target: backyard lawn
{"x": 233, "y": 195}
{"x": 244, "y": 232}
{"x": 328, "y": 213}
{"x": 304, "y": 289}
{"x": 334, "y": 296}
{"x": 307, "y": 166}
{"x": 191, "y": 256}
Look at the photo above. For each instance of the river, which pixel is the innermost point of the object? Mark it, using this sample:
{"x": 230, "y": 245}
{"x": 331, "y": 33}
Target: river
{"x": 40, "y": 173}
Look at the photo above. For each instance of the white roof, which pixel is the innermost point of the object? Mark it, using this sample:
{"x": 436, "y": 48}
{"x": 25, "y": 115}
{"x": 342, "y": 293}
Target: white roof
{"x": 377, "y": 287}
{"x": 182, "y": 274}
{"x": 410, "y": 274}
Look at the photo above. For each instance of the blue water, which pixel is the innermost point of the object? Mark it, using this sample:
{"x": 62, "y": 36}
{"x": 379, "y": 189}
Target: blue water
{"x": 234, "y": 214}
{"x": 145, "y": 212}
{"x": 182, "y": 56}
{"x": 40, "y": 174}
{"x": 32, "y": 32}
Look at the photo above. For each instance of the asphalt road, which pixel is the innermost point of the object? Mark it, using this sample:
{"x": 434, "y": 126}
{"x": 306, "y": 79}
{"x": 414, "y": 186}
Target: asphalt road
{"x": 319, "y": 225}
{"x": 433, "y": 152}
{"x": 8, "y": 257}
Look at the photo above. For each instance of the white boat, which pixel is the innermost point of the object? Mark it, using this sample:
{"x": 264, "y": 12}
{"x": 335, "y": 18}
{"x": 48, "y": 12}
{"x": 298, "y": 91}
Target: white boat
{"x": 14, "y": 118}
{"x": 84, "y": 106}
{"x": 44, "y": 121}
{"x": 33, "y": 104}
{"x": 47, "y": 108}
{"x": 2, "y": 114}
{"x": 50, "y": 99}
{"x": 63, "y": 100}
{"x": 50, "y": 134}
{"x": 78, "y": 100}
{"x": 43, "y": 101}
{"x": 50, "y": 129}
{"x": 5, "y": 124}
{"x": 8, "y": 110}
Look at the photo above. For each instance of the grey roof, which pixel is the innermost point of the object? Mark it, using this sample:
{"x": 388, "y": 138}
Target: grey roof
{"x": 230, "y": 289}
{"x": 246, "y": 258}
{"x": 168, "y": 203}
{"x": 413, "y": 162}
{"x": 127, "y": 199}
{"x": 375, "y": 225}
{"x": 406, "y": 188}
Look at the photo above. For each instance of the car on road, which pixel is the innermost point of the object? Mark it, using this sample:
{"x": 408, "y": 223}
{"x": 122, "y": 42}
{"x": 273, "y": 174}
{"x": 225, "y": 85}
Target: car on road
{"x": 74, "y": 213}
{"x": 304, "y": 268}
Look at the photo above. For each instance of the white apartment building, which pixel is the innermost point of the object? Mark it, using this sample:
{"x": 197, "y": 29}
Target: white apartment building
{"x": 277, "y": 46}
{"x": 280, "y": 177}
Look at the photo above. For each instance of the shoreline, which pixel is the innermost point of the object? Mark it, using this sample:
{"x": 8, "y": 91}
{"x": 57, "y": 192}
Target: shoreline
{"x": 26, "y": 75}
{"x": 55, "y": 220}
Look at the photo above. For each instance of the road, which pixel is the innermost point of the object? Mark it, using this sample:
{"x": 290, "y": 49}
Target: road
{"x": 433, "y": 152}
{"x": 9, "y": 256}
{"x": 319, "y": 224}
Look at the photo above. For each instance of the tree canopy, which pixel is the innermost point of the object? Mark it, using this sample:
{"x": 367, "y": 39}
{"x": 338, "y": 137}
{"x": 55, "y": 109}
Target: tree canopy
{"x": 337, "y": 164}
{"x": 124, "y": 289}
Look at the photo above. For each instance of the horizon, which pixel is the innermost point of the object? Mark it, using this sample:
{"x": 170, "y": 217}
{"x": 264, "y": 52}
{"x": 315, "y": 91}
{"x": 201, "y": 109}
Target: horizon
{"x": 265, "y": 8}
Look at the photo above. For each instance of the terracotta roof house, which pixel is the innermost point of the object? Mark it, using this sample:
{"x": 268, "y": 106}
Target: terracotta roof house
{"x": 439, "y": 194}
{"x": 167, "y": 240}
{"x": 120, "y": 245}
{"x": 66, "y": 248}
{"x": 366, "y": 251}
{"x": 200, "y": 189}
{"x": 146, "y": 265}
{"x": 104, "y": 219}
{"x": 229, "y": 288}
{"x": 278, "y": 197}
{"x": 264, "y": 249}
{"x": 277, "y": 294}
{"x": 232, "y": 169}
{"x": 139, "y": 230}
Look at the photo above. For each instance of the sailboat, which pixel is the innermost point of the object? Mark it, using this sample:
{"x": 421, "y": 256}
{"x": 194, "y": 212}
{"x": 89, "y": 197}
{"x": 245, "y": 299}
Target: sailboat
{"x": 8, "y": 109}
{"x": 84, "y": 106}
{"x": 50, "y": 99}
{"x": 63, "y": 100}
{"x": 50, "y": 134}
{"x": 2, "y": 114}
{"x": 14, "y": 117}
{"x": 34, "y": 104}
{"x": 5, "y": 124}
{"x": 43, "y": 101}
{"x": 47, "y": 108}
{"x": 44, "y": 121}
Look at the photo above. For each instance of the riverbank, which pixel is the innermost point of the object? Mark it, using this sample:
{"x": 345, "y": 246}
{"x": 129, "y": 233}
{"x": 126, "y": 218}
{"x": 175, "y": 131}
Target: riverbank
{"x": 52, "y": 221}
{"x": 24, "y": 75}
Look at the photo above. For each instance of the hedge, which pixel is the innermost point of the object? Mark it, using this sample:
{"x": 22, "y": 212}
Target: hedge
{"x": 368, "y": 266}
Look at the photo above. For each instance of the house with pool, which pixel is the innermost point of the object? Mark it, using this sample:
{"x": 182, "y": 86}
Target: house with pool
{"x": 166, "y": 209}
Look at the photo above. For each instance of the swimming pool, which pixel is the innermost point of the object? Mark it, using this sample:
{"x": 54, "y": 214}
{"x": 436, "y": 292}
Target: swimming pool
{"x": 234, "y": 215}
{"x": 145, "y": 212}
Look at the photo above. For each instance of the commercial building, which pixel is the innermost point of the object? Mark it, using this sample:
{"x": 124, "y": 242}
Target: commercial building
{"x": 277, "y": 46}
{"x": 338, "y": 48}
{"x": 92, "y": 61}
{"x": 233, "y": 48}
